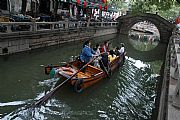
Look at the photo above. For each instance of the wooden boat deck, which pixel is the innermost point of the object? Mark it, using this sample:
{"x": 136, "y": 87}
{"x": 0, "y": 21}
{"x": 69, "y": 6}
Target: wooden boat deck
{"x": 90, "y": 75}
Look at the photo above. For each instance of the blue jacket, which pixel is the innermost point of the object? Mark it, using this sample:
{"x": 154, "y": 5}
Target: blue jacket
{"x": 87, "y": 54}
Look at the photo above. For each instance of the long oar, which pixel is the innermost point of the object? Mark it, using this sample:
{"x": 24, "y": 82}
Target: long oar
{"x": 49, "y": 94}
{"x": 106, "y": 71}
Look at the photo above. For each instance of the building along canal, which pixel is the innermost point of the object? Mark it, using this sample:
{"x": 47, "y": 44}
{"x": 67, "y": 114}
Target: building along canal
{"x": 130, "y": 93}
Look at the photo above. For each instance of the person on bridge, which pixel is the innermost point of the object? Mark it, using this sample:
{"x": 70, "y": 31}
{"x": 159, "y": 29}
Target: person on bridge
{"x": 87, "y": 53}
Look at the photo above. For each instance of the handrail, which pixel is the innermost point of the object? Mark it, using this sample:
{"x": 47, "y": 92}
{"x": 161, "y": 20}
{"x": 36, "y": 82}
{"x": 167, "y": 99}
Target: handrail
{"x": 8, "y": 27}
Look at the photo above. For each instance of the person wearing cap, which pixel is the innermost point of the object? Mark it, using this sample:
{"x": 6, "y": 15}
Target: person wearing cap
{"x": 87, "y": 53}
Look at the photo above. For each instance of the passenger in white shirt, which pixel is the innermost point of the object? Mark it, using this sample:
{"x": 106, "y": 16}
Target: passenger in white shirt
{"x": 122, "y": 49}
{"x": 97, "y": 52}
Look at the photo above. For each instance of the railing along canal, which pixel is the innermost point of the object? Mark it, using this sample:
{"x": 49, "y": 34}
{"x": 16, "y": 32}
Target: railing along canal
{"x": 8, "y": 27}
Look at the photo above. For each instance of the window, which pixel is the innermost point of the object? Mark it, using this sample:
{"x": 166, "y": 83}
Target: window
{"x": 3, "y": 4}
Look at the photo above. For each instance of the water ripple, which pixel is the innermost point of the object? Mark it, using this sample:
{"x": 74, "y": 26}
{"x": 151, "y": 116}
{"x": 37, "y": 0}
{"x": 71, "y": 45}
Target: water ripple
{"x": 129, "y": 94}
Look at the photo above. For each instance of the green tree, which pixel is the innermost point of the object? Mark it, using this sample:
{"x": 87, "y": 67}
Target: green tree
{"x": 168, "y": 9}
{"x": 119, "y": 4}
{"x": 141, "y": 6}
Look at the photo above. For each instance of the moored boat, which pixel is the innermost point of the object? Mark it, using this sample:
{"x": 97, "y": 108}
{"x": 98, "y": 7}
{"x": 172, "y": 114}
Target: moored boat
{"x": 86, "y": 77}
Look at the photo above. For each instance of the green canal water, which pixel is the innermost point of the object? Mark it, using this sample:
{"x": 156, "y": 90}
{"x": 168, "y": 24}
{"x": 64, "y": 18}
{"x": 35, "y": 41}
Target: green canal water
{"x": 128, "y": 94}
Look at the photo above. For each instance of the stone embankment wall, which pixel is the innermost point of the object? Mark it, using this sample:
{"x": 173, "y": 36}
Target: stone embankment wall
{"x": 22, "y": 41}
{"x": 174, "y": 83}
{"x": 169, "y": 101}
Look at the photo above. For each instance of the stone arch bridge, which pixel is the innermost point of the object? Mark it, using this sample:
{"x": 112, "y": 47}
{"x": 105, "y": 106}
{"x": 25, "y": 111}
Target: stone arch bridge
{"x": 165, "y": 27}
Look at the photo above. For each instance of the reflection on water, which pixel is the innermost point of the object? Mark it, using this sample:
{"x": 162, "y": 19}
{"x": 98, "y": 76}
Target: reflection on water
{"x": 128, "y": 94}
{"x": 144, "y": 36}
{"x": 143, "y": 45}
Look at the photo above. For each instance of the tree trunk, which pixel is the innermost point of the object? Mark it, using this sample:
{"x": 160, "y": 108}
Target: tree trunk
{"x": 23, "y": 10}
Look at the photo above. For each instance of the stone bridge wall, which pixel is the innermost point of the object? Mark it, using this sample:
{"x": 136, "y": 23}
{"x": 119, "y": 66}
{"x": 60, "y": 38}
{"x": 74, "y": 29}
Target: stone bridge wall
{"x": 165, "y": 28}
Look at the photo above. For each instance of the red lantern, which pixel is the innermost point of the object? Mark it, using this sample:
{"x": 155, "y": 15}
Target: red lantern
{"x": 85, "y": 3}
{"x": 100, "y": 7}
{"x": 103, "y": 1}
{"x": 106, "y": 8}
{"x": 78, "y": 2}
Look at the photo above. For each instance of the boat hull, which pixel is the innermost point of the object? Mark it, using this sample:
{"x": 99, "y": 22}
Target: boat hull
{"x": 90, "y": 75}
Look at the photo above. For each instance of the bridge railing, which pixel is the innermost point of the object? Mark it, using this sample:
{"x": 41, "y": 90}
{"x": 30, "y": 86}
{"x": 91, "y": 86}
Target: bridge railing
{"x": 8, "y": 27}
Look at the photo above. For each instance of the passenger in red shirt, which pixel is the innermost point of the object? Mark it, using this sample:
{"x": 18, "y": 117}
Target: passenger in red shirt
{"x": 105, "y": 47}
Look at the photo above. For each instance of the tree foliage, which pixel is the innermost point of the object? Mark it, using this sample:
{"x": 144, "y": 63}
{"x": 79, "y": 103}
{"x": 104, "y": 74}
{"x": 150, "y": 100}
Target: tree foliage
{"x": 165, "y": 8}
{"x": 151, "y": 5}
{"x": 146, "y": 5}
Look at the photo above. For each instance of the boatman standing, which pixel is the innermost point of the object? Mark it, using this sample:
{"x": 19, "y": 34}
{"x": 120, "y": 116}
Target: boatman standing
{"x": 105, "y": 47}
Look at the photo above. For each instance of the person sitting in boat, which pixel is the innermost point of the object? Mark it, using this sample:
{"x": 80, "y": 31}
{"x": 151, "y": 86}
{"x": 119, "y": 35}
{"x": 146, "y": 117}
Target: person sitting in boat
{"x": 117, "y": 53}
{"x": 54, "y": 73}
{"x": 111, "y": 56}
{"x": 122, "y": 49}
{"x": 97, "y": 52}
{"x": 87, "y": 53}
{"x": 105, "y": 47}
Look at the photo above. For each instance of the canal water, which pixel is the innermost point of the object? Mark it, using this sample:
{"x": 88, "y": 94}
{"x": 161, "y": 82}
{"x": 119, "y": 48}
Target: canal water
{"x": 129, "y": 94}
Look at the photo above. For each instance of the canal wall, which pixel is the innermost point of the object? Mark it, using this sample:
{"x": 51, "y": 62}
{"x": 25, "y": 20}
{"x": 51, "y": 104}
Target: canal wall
{"x": 169, "y": 97}
{"x": 174, "y": 83}
{"x": 28, "y": 40}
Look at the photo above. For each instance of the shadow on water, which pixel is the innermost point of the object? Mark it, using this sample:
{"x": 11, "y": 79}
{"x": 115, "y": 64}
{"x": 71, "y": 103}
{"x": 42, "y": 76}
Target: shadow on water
{"x": 158, "y": 53}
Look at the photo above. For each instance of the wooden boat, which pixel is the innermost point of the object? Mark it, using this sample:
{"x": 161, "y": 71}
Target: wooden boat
{"x": 85, "y": 78}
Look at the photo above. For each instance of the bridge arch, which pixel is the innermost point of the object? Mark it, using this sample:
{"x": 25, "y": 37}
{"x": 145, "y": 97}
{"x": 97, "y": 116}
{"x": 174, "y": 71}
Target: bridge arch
{"x": 165, "y": 27}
